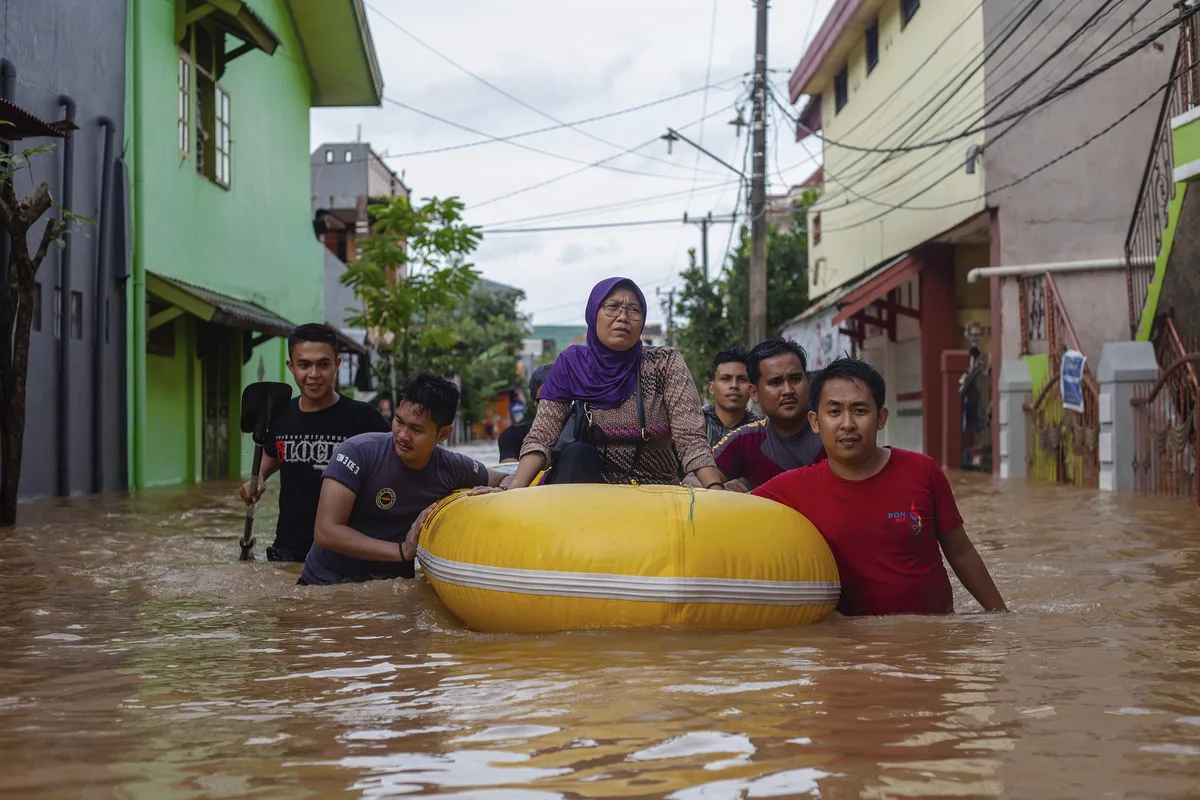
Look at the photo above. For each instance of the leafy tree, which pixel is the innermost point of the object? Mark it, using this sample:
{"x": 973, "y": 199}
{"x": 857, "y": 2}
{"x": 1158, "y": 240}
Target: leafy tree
{"x": 705, "y": 328}
{"x": 412, "y": 266}
{"x": 488, "y": 332}
{"x": 787, "y": 273}
{"x": 18, "y": 216}
{"x": 715, "y": 314}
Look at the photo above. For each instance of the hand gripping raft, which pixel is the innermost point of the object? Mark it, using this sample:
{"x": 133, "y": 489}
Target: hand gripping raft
{"x": 603, "y": 556}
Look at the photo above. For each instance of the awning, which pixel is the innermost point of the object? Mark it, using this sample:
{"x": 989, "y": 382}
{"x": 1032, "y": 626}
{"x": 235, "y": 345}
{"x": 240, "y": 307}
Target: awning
{"x": 836, "y": 296}
{"x": 898, "y": 273}
{"x": 210, "y": 306}
{"x": 347, "y": 343}
{"x": 16, "y": 123}
{"x": 233, "y": 17}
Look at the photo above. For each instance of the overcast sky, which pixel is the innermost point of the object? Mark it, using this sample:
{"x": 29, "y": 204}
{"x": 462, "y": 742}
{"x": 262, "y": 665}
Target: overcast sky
{"x": 572, "y": 60}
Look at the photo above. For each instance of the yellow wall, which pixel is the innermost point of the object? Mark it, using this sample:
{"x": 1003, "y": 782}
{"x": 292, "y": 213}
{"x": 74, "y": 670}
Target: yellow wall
{"x": 876, "y": 114}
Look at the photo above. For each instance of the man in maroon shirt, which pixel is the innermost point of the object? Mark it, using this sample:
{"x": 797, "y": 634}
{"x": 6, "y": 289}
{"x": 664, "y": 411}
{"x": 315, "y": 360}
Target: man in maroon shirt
{"x": 754, "y": 453}
{"x": 884, "y": 511}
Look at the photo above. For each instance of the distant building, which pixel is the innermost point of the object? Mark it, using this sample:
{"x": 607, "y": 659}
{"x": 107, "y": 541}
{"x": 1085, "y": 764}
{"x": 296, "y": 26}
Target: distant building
{"x": 781, "y": 208}
{"x": 653, "y": 335}
{"x": 346, "y": 178}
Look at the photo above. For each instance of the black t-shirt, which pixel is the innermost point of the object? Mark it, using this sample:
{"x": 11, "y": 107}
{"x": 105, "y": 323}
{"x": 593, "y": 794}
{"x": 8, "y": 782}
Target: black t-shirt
{"x": 511, "y": 439}
{"x": 303, "y": 442}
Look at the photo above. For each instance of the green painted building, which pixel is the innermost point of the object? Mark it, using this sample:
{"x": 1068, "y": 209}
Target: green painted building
{"x": 225, "y": 260}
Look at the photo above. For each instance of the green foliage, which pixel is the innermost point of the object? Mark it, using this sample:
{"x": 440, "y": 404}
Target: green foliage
{"x": 705, "y": 328}
{"x": 707, "y": 324}
{"x": 413, "y": 266}
{"x": 488, "y": 332}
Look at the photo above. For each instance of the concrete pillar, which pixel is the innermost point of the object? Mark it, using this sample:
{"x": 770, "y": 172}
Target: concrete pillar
{"x": 939, "y": 332}
{"x": 1122, "y": 366}
{"x": 1016, "y": 385}
{"x": 954, "y": 364}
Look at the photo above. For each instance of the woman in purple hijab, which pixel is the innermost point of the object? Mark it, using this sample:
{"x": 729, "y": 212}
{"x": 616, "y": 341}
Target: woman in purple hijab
{"x": 660, "y": 440}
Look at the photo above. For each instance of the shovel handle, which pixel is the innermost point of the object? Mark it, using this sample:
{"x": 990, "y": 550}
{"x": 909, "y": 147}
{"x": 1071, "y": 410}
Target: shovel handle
{"x": 247, "y": 543}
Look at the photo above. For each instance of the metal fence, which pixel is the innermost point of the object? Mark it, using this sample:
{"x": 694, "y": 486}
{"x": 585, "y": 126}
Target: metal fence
{"x": 1063, "y": 445}
{"x": 1144, "y": 240}
{"x": 1167, "y": 444}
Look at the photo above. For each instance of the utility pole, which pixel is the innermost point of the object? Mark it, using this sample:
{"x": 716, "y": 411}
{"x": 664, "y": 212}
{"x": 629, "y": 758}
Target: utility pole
{"x": 703, "y": 222}
{"x": 670, "y": 309}
{"x": 758, "y": 185}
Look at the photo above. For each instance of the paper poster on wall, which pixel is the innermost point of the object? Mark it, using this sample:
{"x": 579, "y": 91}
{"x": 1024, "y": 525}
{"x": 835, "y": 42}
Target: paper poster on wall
{"x": 820, "y": 338}
{"x": 1072, "y": 380}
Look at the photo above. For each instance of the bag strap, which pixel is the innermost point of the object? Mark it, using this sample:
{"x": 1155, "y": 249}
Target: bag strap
{"x": 645, "y": 435}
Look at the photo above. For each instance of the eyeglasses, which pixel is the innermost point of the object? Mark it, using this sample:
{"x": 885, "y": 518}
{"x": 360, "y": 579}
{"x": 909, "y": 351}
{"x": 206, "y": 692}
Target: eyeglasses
{"x": 613, "y": 310}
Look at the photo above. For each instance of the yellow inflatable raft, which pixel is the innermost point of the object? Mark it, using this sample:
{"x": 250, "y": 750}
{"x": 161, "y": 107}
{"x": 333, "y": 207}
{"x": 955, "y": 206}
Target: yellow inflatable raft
{"x": 597, "y": 556}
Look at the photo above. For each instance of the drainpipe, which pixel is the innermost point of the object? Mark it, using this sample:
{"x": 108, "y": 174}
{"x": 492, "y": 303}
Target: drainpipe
{"x": 1094, "y": 265}
{"x": 64, "y": 312}
{"x": 100, "y": 307}
{"x": 8, "y": 91}
{"x": 137, "y": 307}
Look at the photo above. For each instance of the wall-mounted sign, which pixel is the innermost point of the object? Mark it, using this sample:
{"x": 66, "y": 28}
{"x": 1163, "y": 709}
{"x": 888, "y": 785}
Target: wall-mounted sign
{"x": 1072, "y": 380}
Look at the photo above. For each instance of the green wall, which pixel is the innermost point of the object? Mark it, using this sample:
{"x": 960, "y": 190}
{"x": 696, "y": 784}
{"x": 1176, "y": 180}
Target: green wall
{"x": 253, "y": 241}
{"x": 1185, "y": 141}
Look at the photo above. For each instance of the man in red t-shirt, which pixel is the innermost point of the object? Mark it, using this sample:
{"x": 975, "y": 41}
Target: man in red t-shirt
{"x": 884, "y": 511}
{"x": 753, "y": 454}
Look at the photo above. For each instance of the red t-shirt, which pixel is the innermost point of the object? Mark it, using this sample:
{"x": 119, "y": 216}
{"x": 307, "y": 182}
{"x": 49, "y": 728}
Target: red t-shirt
{"x": 883, "y": 531}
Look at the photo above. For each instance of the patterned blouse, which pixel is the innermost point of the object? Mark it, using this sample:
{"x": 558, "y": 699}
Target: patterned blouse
{"x": 673, "y": 416}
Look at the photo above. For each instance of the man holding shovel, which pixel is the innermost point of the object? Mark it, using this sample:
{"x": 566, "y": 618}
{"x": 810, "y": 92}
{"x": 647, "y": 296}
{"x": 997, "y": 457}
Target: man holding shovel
{"x": 301, "y": 439}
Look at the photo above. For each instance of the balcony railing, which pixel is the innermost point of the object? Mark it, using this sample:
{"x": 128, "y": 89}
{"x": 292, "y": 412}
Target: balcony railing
{"x": 1144, "y": 241}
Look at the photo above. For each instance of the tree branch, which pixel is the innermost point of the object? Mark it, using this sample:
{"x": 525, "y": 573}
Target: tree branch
{"x": 34, "y": 206}
{"x": 54, "y": 229}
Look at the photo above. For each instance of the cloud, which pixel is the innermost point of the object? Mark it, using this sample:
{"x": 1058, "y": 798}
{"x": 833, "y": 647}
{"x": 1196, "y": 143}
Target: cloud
{"x": 574, "y": 60}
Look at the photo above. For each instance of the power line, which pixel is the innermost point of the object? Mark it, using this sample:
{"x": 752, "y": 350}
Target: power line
{"x": 1038, "y": 170}
{"x": 597, "y": 226}
{"x": 1019, "y": 112}
{"x": 549, "y": 128}
{"x": 1017, "y": 17}
{"x": 586, "y": 167}
{"x": 500, "y": 90}
{"x": 631, "y": 203}
{"x": 1022, "y": 112}
{"x": 558, "y": 156}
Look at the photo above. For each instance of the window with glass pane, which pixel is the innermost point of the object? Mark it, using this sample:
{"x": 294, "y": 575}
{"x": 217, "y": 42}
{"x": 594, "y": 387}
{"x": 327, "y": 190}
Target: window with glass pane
{"x": 185, "y": 105}
{"x": 222, "y": 146}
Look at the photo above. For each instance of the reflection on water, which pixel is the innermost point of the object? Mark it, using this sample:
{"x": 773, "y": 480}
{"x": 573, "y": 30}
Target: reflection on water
{"x": 141, "y": 660}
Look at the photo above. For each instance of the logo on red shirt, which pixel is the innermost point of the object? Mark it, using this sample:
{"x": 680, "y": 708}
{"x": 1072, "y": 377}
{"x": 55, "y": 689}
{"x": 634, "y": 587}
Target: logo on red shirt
{"x": 910, "y": 519}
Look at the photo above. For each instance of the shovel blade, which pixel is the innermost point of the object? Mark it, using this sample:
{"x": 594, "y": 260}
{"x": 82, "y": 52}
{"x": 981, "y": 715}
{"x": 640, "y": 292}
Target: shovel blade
{"x": 262, "y": 402}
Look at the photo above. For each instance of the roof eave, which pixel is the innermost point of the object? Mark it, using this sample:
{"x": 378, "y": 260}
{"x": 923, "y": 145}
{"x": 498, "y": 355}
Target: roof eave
{"x": 814, "y": 57}
{"x": 333, "y": 86}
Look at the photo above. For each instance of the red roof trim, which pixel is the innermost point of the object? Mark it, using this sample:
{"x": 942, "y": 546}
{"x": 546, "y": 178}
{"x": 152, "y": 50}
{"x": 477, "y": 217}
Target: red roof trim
{"x": 835, "y": 24}
{"x": 894, "y": 277}
{"x": 810, "y": 118}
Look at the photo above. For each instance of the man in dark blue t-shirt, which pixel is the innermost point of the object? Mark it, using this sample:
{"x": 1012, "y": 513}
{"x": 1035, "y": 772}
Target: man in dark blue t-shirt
{"x": 377, "y": 484}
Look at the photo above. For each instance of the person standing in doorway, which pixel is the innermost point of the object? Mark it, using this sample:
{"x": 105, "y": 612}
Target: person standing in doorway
{"x": 729, "y": 385}
{"x": 302, "y": 439}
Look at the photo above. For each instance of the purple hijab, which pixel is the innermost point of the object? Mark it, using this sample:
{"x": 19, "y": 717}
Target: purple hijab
{"x": 596, "y": 374}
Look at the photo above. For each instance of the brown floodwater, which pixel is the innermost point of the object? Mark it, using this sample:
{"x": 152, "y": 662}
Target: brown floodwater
{"x": 139, "y": 659}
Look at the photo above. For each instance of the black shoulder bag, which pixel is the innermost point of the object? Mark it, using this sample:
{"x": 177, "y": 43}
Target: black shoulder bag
{"x": 577, "y": 430}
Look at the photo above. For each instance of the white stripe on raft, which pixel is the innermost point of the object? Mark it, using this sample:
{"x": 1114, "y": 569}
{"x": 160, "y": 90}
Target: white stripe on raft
{"x": 604, "y": 586}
